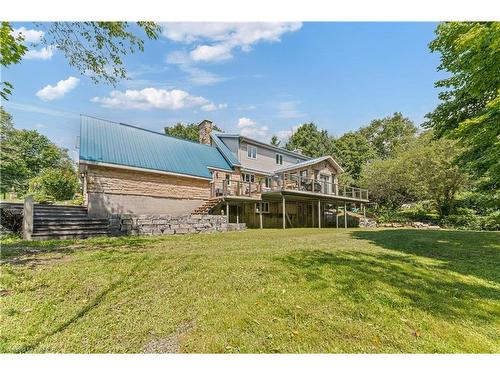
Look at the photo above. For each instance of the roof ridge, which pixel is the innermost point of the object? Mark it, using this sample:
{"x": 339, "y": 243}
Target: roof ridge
{"x": 146, "y": 130}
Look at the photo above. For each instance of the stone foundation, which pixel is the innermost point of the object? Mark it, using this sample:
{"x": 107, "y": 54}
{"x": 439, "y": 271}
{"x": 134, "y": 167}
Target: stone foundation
{"x": 166, "y": 224}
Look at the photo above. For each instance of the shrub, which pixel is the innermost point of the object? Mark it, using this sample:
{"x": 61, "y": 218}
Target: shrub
{"x": 59, "y": 184}
{"x": 491, "y": 221}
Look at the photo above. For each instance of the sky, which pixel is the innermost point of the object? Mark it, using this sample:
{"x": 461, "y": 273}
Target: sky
{"x": 257, "y": 79}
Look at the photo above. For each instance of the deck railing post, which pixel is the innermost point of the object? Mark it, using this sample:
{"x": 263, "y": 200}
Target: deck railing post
{"x": 284, "y": 207}
{"x": 345, "y": 215}
{"x": 28, "y": 213}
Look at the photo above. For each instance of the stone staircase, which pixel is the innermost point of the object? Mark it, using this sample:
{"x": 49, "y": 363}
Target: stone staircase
{"x": 208, "y": 205}
{"x": 64, "y": 222}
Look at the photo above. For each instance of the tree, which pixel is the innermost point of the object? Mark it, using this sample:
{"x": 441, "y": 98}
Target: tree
{"x": 11, "y": 52}
{"x": 387, "y": 134}
{"x": 275, "y": 141}
{"x": 95, "y": 49}
{"x": 24, "y": 154}
{"x": 424, "y": 170}
{"x": 310, "y": 141}
{"x": 470, "y": 101}
{"x": 186, "y": 131}
{"x": 59, "y": 184}
{"x": 353, "y": 151}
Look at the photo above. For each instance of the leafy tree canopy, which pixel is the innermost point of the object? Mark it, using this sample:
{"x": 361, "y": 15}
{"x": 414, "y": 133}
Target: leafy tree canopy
{"x": 387, "y": 134}
{"x": 424, "y": 170}
{"x": 310, "y": 141}
{"x": 93, "y": 48}
{"x": 24, "y": 154}
{"x": 470, "y": 101}
{"x": 186, "y": 131}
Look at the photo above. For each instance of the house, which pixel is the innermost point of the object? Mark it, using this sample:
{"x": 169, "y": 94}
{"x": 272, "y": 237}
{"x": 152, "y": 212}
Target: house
{"x": 130, "y": 170}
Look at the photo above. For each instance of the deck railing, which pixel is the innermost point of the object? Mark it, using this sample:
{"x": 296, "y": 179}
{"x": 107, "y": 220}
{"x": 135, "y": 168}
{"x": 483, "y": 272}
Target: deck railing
{"x": 235, "y": 188}
{"x": 298, "y": 183}
{"x": 288, "y": 182}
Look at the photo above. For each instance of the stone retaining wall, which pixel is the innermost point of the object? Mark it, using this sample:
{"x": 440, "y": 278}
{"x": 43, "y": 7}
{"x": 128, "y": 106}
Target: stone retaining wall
{"x": 166, "y": 224}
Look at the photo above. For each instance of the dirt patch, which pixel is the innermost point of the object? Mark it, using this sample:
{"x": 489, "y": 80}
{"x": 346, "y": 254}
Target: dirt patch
{"x": 170, "y": 344}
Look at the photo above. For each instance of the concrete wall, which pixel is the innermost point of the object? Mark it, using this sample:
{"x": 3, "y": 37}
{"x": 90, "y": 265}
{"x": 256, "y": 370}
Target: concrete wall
{"x": 113, "y": 190}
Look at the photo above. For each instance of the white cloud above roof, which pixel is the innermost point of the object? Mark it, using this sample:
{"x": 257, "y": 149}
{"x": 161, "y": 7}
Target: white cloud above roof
{"x": 153, "y": 98}
{"x": 216, "y": 41}
{"x": 249, "y": 128}
{"x": 58, "y": 91}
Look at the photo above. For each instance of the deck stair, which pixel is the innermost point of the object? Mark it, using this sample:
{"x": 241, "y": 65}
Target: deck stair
{"x": 207, "y": 206}
{"x": 64, "y": 222}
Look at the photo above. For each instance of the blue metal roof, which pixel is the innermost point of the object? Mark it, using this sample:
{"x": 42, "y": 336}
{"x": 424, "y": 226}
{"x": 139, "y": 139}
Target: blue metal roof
{"x": 230, "y": 157}
{"x": 110, "y": 142}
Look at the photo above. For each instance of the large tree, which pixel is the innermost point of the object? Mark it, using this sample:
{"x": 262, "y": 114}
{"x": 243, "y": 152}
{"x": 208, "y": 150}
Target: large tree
{"x": 186, "y": 131}
{"x": 424, "y": 170}
{"x": 310, "y": 141}
{"x": 389, "y": 133}
{"x": 95, "y": 49}
{"x": 24, "y": 154}
{"x": 470, "y": 101}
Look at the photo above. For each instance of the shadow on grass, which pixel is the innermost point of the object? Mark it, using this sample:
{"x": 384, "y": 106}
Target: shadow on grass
{"x": 468, "y": 253}
{"x": 397, "y": 280}
{"x": 83, "y": 311}
{"x": 21, "y": 252}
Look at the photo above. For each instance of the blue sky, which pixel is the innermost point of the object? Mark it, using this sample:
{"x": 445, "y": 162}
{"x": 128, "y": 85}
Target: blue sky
{"x": 256, "y": 79}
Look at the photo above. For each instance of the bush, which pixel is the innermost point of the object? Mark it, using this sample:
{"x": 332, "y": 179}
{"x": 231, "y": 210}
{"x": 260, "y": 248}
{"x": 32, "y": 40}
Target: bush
{"x": 491, "y": 221}
{"x": 58, "y": 184}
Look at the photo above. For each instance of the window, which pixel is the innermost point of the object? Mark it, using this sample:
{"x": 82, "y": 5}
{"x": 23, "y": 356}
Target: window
{"x": 247, "y": 177}
{"x": 268, "y": 182}
{"x": 303, "y": 174}
{"x": 228, "y": 179}
{"x": 251, "y": 152}
{"x": 279, "y": 159}
{"x": 262, "y": 207}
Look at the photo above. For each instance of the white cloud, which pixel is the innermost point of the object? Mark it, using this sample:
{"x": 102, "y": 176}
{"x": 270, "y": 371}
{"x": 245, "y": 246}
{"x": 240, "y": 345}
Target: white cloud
{"x": 41, "y": 110}
{"x": 218, "y": 40}
{"x": 218, "y": 52}
{"x": 44, "y": 53}
{"x": 249, "y": 128}
{"x": 152, "y": 98}
{"x": 30, "y": 35}
{"x": 196, "y": 75}
{"x": 62, "y": 87}
{"x": 213, "y": 107}
{"x": 34, "y": 37}
{"x": 245, "y": 121}
{"x": 289, "y": 109}
{"x": 284, "y": 135}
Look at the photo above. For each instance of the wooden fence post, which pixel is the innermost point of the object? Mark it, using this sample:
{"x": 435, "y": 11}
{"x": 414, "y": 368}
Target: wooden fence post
{"x": 28, "y": 211}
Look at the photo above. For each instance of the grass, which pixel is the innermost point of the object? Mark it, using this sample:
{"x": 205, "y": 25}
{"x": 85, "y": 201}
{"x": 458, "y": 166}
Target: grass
{"x": 293, "y": 291}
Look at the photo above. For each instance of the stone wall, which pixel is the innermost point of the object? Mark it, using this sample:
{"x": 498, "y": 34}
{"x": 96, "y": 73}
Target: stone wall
{"x": 166, "y": 224}
{"x": 120, "y": 191}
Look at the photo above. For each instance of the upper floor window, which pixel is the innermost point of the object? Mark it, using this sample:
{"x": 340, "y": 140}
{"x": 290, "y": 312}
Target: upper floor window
{"x": 279, "y": 159}
{"x": 228, "y": 179}
{"x": 251, "y": 152}
{"x": 247, "y": 177}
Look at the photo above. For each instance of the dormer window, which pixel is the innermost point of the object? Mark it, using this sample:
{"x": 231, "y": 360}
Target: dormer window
{"x": 251, "y": 152}
{"x": 279, "y": 159}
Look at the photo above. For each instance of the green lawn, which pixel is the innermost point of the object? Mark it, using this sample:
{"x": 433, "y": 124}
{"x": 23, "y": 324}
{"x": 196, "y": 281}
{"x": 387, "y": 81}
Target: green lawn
{"x": 261, "y": 291}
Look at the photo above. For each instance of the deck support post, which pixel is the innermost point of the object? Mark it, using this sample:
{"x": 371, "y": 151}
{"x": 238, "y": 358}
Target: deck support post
{"x": 337, "y": 216}
{"x": 319, "y": 213}
{"x": 237, "y": 214}
{"x": 227, "y": 211}
{"x": 260, "y": 215}
{"x": 345, "y": 215}
{"x": 364, "y": 211}
{"x": 284, "y": 207}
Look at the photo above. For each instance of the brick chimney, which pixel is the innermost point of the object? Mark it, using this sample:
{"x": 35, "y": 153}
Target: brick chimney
{"x": 204, "y": 130}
